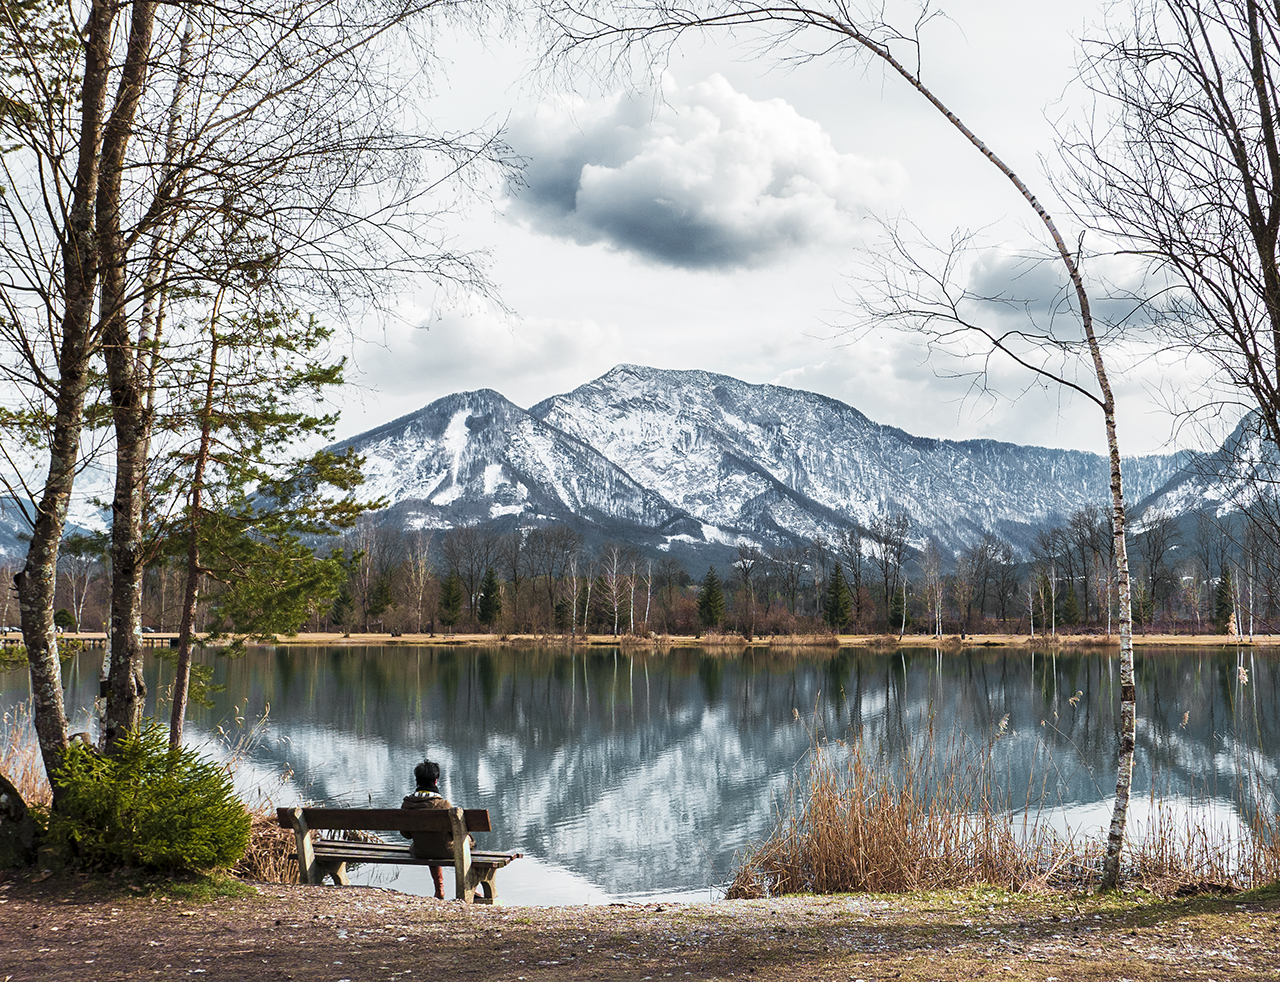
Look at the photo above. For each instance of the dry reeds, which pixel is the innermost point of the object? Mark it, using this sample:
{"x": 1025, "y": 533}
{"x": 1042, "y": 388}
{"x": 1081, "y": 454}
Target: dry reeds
{"x": 269, "y": 857}
{"x": 926, "y": 821}
{"x": 857, "y": 825}
{"x": 20, "y": 758}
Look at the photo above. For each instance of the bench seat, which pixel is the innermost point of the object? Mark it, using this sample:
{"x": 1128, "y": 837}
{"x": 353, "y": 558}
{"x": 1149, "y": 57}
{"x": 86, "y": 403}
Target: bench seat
{"x": 328, "y": 858}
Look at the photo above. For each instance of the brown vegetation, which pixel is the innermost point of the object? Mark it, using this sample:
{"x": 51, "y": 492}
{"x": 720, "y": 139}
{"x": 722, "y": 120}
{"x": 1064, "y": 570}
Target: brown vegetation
{"x": 854, "y": 823}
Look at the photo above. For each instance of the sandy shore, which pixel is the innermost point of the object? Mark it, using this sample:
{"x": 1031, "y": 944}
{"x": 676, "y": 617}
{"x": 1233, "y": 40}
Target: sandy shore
{"x": 729, "y": 641}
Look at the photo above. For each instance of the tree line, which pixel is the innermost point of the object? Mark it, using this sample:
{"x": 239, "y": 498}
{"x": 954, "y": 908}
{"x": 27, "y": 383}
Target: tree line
{"x": 1201, "y": 575}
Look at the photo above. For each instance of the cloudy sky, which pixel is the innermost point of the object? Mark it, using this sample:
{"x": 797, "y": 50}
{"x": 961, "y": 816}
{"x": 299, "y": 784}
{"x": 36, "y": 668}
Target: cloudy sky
{"x": 728, "y": 215}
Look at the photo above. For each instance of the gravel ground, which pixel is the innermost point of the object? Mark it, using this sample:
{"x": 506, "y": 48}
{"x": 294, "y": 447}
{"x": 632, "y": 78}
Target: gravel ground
{"x": 78, "y": 929}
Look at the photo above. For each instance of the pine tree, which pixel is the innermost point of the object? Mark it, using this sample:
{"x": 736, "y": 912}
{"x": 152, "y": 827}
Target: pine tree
{"x": 839, "y": 607}
{"x": 1224, "y": 605}
{"x": 343, "y": 608}
{"x": 711, "y": 600}
{"x": 450, "y": 602}
{"x": 490, "y": 598}
{"x": 1070, "y": 613}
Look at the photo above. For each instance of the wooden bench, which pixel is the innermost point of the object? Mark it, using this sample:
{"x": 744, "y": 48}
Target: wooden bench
{"x": 329, "y": 857}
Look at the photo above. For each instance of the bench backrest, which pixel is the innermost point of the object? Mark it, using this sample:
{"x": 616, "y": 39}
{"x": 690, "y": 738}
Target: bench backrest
{"x": 386, "y": 819}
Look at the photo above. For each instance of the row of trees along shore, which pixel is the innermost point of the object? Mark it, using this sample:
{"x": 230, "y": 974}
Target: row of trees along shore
{"x": 1204, "y": 575}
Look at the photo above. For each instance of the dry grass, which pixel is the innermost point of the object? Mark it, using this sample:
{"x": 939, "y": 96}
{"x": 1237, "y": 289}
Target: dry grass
{"x": 20, "y": 758}
{"x": 854, "y": 823}
{"x": 268, "y": 858}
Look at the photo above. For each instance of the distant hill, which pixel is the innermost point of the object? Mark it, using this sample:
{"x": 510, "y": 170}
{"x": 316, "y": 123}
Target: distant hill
{"x": 696, "y": 463}
{"x": 692, "y": 460}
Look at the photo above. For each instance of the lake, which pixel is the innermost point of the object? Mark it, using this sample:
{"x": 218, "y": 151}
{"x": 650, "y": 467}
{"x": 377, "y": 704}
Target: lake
{"x": 623, "y": 774}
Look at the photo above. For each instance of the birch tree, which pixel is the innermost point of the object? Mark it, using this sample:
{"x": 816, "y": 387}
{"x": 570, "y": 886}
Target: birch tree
{"x": 805, "y": 30}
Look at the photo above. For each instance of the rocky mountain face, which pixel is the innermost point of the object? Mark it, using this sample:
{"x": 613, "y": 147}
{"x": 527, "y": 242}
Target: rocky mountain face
{"x": 690, "y": 460}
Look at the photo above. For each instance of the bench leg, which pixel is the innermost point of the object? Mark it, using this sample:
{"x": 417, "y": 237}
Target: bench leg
{"x": 337, "y": 871}
{"x": 487, "y": 887}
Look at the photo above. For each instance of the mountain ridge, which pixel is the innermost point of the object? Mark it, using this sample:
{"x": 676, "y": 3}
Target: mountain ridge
{"x": 661, "y": 455}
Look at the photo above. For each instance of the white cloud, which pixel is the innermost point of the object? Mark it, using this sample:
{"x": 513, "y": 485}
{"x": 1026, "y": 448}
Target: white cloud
{"x": 713, "y": 180}
{"x": 404, "y": 367}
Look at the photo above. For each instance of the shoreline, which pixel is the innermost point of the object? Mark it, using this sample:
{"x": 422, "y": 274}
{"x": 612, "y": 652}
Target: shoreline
{"x": 950, "y": 642}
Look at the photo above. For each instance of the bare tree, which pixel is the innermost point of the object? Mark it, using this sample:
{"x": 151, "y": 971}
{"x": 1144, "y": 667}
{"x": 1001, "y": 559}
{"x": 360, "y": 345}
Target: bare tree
{"x": 552, "y": 551}
{"x": 935, "y": 586}
{"x": 671, "y": 573}
{"x": 469, "y": 550}
{"x": 888, "y": 552}
{"x": 1157, "y": 536}
{"x": 1180, "y": 165}
{"x": 790, "y": 562}
{"x": 419, "y": 572}
{"x": 81, "y": 561}
{"x": 515, "y": 559}
{"x": 962, "y": 588}
{"x": 851, "y": 554}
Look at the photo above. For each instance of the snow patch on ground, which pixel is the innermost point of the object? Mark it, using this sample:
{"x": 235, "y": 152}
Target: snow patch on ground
{"x": 492, "y": 478}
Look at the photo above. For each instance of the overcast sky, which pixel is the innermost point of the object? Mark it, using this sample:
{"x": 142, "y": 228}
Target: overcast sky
{"x": 720, "y": 223}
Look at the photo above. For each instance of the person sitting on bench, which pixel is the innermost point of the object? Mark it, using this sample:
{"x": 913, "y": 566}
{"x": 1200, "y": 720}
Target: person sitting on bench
{"x": 430, "y": 845}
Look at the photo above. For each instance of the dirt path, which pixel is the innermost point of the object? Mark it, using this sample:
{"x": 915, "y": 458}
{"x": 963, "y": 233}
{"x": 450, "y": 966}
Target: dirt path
{"x": 77, "y": 929}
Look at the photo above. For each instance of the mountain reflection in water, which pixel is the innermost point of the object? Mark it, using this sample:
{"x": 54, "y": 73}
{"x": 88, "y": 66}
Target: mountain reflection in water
{"x": 624, "y": 773}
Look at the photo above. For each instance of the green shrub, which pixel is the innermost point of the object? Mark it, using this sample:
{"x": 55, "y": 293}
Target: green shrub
{"x": 147, "y": 805}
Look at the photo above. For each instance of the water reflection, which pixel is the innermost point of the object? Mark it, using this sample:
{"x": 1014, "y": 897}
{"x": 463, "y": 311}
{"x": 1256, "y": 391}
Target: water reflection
{"x": 637, "y": 773}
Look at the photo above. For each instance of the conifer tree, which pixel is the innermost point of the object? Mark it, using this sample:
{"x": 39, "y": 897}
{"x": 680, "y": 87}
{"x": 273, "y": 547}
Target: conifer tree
{"x": 343, "y": 608}
{"x": 1070, "y": 606}
{"x": 490, "y": 608}
{"x": 839, "y": 607}
{"x": 1224, "y": 602}
{"x": 711, "y": 600}
{"x": 450, "y": 602}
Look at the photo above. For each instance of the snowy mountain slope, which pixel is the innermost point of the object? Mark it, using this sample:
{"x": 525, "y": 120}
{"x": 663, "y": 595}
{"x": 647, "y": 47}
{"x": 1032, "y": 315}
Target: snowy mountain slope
{"x": 475, "y": 456}
{"x": 748, "y": 456}
{"x": 689, "y": 460}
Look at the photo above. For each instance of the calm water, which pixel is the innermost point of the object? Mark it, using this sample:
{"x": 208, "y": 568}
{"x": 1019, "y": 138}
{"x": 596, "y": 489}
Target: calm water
{"x": 622, "y": 775}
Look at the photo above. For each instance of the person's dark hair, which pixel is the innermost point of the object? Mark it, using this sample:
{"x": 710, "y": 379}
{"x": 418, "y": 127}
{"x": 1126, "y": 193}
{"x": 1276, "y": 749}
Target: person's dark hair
{"x": 427, "y": 774}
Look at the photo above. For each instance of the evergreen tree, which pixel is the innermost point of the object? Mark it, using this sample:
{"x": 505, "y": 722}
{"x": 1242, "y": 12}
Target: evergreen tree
{"x": 711, "y": 600}
{"x": 450, "y": 602}
{"x": 1070, "y": 612}
{"x": 381, "y": 599}
{"x": 490, "y": 598}
{"x": 839, "y": 607}
{"x": 343, "y": 608}
{"x": 1224, "y": 602}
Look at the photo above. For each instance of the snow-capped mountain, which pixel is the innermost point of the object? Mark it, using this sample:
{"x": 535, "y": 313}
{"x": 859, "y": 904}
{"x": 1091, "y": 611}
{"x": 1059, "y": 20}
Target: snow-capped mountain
{"x": 698, "y": 462}
{"x": 476, "y": 456}
{"x": 696, "y": 458}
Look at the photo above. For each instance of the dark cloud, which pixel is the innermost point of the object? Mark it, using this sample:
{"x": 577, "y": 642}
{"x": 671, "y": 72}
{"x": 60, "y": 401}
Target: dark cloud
{"x": 713, "y": 180}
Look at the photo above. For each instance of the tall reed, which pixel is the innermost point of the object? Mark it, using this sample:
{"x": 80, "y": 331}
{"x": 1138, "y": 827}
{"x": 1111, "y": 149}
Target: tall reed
{"x": 929, "y": 819}
{"x": 20, "y": 759}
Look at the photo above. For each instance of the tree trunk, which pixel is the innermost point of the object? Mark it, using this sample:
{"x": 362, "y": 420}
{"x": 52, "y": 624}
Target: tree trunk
{"x": 126, "y": 690}
{"x": 1128, "y": 700}
{"x": 37, "y": 582}
{"x": 186, "y": 630}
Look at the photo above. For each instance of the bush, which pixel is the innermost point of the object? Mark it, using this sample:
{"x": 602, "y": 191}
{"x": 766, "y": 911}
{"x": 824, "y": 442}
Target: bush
{"x": 147, "y": 805}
